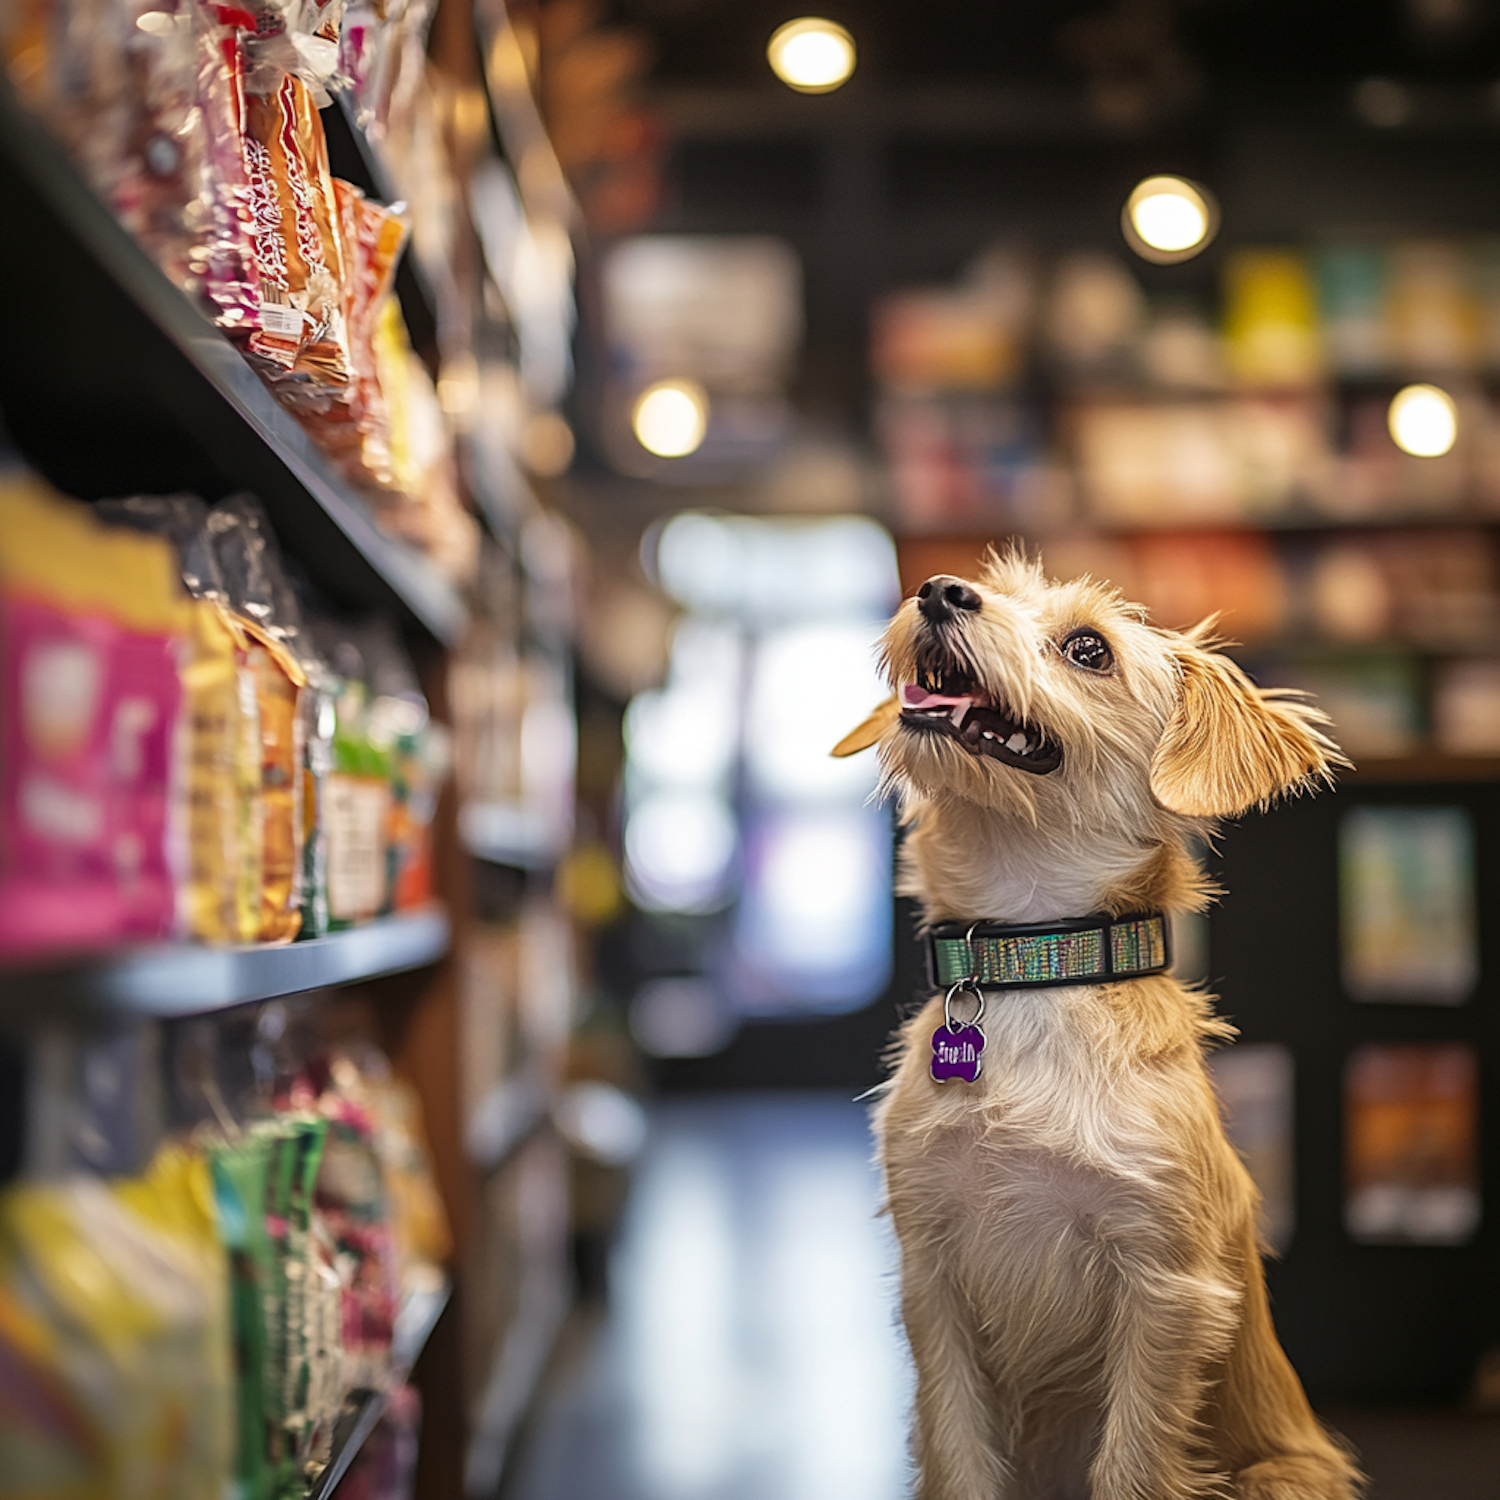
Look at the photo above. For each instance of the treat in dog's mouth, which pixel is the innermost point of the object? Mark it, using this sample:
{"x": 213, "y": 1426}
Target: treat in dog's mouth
{"x": 960, "y": 708}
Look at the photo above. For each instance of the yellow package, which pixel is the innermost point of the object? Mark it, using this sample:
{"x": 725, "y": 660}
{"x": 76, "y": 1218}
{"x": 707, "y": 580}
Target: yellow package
{"x": 135, "y": 1315}
{"x": 213, "y": 734}
{"x": 51, "y": 1447}
{"x": 250, "y": 813}
{"x": 278, "y": 682}
{"x": 176, "y": 1198}
{"x": 54, "y": 548}
{"x": 1271, "y": 319}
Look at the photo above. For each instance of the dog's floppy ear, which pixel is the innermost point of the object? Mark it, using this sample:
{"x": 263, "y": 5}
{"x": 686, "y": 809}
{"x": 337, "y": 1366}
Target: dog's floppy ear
{"x": 1230, "y": 746}
{"x": 870, "y": 731}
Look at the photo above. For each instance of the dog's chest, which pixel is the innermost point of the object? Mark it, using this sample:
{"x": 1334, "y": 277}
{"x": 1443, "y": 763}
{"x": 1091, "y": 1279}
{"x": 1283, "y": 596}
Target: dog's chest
{"x": 1055, "y": 1143}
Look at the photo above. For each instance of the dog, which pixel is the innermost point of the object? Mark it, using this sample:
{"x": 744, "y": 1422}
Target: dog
{"x": 1081, "y": 1277}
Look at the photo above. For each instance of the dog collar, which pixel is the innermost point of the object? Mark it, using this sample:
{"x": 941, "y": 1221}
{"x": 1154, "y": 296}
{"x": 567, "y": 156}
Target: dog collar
{"x": 1081, "y": 950}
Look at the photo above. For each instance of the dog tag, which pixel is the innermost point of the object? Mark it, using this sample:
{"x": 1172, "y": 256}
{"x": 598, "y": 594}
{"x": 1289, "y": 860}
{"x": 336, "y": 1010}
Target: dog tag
{"x": 957, "y": 1053}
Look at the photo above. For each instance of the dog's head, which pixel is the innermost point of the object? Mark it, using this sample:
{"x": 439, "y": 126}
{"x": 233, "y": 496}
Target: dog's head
{"x": 1059, "y": 704}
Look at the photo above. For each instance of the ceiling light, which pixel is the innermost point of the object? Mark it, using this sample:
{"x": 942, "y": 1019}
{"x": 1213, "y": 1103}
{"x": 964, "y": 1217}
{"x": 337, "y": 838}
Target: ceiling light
{"x": 670, "y": 418}
{"x": 811, "y": 55}
{"x": 1423, "y": 421}
{"x": 1169, "y": 219}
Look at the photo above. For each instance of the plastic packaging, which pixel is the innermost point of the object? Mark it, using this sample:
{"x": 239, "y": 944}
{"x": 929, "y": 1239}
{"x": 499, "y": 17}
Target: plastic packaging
{"x": 92, "y": 622}
{"x": 112, "y": 1342}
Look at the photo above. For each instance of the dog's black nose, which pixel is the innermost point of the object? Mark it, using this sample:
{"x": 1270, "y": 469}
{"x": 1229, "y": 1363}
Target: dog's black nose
{"x": 939, "y": 597}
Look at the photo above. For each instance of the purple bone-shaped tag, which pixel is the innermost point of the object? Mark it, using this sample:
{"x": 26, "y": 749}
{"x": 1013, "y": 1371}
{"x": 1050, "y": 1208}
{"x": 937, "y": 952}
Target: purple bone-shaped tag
{"x": 956, "y": 1054}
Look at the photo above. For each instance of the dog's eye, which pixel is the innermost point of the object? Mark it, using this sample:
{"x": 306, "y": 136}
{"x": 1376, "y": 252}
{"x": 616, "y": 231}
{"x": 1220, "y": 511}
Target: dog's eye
{"x": 1085, "y": 649}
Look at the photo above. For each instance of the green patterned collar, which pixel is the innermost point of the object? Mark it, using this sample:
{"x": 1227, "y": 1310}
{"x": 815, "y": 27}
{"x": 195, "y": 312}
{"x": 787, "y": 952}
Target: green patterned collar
{"x": 1081, "y": 950}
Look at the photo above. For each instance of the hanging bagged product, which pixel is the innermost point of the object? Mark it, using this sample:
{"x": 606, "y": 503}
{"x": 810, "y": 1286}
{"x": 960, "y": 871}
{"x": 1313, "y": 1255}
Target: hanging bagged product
{"x": 225, "y": 259}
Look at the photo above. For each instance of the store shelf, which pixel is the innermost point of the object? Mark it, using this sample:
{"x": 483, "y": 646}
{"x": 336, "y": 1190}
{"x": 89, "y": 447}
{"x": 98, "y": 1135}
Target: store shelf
{"x": 506, "y": 833}
{"x": 544, "y": 1302}
{"x": 173, "y": 981}
{"x": 414, "y": 1323}
{"x": 505, "y": 1119}
{"x": 114, "y": 383}
{"x": 1289, "y": 523}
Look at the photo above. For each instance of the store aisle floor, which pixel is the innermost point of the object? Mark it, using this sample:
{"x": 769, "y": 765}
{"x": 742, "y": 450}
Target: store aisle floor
{"x": 751, "y": 1350}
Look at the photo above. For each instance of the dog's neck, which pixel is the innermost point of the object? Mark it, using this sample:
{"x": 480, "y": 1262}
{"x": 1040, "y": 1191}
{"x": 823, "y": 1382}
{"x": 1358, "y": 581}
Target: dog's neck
{"x": 964, "y": 863}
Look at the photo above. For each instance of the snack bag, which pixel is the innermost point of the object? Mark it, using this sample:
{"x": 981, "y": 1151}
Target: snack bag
{"x": 420, "y": 755}
{"x": 52, "y": 1446}
{"x": 302, "y": 339}
{"x": 240, "y": 1173}
{"x": 278, "y": 680}
{"x": 295, "y": 1144}
{"x": 133, "y": 1344}
{"x": 222, "y": 813}
{"x": 271, "y": 679}
{"x": 92, "y": 622}
{"x": 358, "y": 815}
{"x": 351, "y": 1196}
{"x": 176, "y": 1197}
{"x": 220, "y": 816}
{"x": 354, "y": 429}
{"x": 320, "y": 714}
{"x": 419, "y": 1222}
{"x": 225, "y": 257}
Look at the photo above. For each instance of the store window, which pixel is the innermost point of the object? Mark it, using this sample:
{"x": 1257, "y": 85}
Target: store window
{"x": 733, "y": 805}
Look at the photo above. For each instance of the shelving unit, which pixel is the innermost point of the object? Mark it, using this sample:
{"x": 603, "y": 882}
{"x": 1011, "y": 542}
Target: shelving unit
{"x": 112, "y": 347}
{"x": 114, "y": 383}
{"x": 186, "y": 980}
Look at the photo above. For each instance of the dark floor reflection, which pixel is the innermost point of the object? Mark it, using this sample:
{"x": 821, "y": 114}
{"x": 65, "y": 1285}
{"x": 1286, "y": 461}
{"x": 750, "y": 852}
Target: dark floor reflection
{"x": 752, "y": 1350}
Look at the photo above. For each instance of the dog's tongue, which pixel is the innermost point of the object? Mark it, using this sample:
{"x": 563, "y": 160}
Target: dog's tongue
{"x": 915, "y": 696}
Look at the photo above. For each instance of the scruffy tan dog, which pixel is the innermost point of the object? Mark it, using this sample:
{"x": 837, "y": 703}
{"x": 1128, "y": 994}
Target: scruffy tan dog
{"x": 1081, "y": 1277}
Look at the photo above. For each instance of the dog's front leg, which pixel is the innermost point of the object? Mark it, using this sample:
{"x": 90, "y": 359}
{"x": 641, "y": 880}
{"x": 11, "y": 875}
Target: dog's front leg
{"x": 1164, "y": 1330}
{"x": 964, "y": 1435}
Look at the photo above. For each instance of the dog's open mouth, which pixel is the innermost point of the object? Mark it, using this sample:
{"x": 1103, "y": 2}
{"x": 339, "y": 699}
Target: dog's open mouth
{"x": 960, "y": 708}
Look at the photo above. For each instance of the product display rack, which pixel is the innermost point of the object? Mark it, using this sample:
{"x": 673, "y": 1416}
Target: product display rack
{"x": 115, "y": 383}
{"x": 115, "y": 349}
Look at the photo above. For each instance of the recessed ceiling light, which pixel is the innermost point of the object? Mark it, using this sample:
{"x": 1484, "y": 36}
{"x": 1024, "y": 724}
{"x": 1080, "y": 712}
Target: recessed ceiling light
{"x": 811, "y": 55}
{"x": 1169, "y": 219}
{"x": 1423, "y": 421}
{"x": 670, "y": 418}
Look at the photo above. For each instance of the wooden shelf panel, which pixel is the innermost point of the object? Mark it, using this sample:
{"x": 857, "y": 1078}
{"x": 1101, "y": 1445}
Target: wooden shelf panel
{"x": 114, "y": 383}
{"x": 183, "y": 980}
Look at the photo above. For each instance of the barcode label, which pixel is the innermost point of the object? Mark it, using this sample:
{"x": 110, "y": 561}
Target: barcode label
{"x": 282, "y": 321}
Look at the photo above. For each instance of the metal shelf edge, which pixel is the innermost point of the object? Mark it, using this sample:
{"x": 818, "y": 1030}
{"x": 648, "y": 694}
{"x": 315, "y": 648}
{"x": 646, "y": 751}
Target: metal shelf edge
{"x": 183, "y": 980}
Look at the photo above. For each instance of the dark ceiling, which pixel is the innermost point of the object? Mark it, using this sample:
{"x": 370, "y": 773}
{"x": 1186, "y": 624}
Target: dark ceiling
{"x": 972, "y": 121}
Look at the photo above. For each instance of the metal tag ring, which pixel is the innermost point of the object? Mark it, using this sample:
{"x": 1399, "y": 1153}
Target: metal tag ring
{"x": 972, "y": 985}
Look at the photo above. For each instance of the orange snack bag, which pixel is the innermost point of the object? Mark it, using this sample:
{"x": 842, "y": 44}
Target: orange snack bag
{"x": 302, "y": 336}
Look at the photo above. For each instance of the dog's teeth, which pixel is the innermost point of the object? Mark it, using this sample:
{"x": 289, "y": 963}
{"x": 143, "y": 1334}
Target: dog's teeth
{"x": 1017, "y": 742}
{"x": 988, "y": 735}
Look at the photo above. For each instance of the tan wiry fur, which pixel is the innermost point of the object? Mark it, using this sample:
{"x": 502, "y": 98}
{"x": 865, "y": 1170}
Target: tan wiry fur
{"x": 1081, "y": 1281}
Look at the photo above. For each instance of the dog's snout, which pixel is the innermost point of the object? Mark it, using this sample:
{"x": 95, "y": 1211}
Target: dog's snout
{"x": 941, "y": 597}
